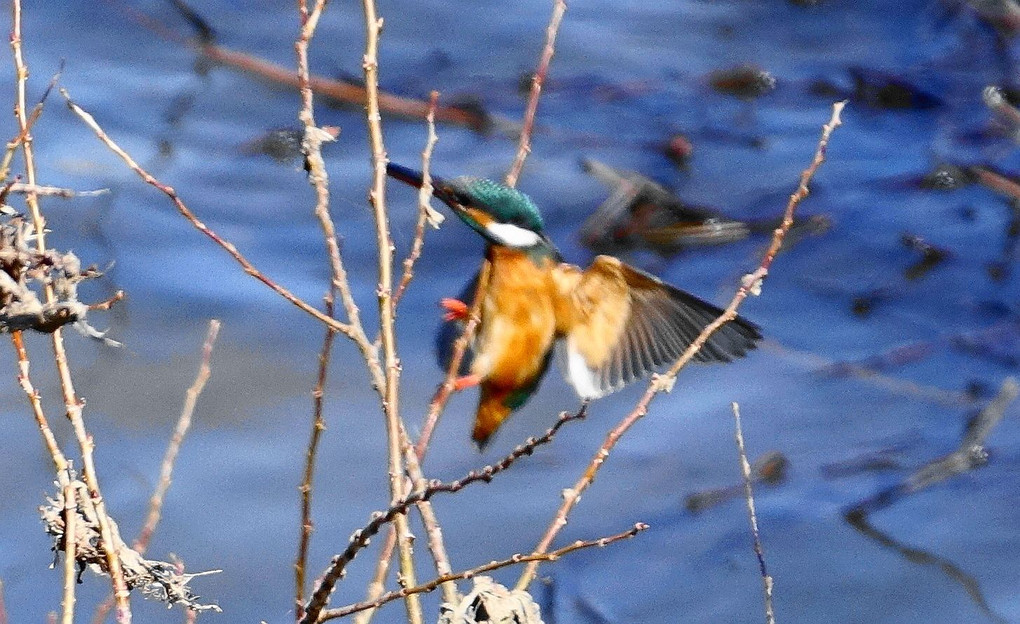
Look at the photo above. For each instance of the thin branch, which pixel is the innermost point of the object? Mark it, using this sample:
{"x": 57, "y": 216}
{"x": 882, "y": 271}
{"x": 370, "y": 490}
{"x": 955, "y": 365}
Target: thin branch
{"x": 141, "y": 543}
{"x": 318, "y": 426}
{"x": 55, "y": 191}
{"x": 73, "y": 405}
{"x": 360, "y": 539}
{"x": 745, "y": 469}
{"x": 426, "y": 214}
{"x": 524, "y": 146}
{"x": 384, "y": 243}
{"x": 488, "y": 567}
{"x": 70, "y": 554}
{"x": 751, "y": 284}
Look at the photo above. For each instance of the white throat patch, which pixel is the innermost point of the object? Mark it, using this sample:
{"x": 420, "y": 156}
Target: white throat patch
{"x": 513, "y": 235}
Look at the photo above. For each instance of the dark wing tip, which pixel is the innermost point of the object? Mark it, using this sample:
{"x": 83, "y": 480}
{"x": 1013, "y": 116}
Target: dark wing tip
{"x": 731, "y": 341}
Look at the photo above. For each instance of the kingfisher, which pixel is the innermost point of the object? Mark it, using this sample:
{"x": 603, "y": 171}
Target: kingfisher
{"x": 611, "y": 323}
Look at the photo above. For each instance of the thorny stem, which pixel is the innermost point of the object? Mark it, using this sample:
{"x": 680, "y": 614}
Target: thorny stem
{"x": 318, "y": 426}
{"x": 72, "y": 404}
{"x": 377, "y": 197}
{"x": 664, "y": 382}
{"x": 488, "y": 567}
{"x": 359, "y": 540}
{"x": 745, "y": 469}
{"x": 459, "y": 348}
{"x": 524, "y": 146}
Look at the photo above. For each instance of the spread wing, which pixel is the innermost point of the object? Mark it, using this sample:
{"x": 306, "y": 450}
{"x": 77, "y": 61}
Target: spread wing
{"x": 622, "y": 324}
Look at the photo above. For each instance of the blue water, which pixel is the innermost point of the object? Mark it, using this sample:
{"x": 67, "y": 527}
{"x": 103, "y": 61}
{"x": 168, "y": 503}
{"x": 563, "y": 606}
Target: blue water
{"x": 625, "y": 76}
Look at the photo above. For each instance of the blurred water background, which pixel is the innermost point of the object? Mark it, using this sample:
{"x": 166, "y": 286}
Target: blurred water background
{"x": 627, "y": 75}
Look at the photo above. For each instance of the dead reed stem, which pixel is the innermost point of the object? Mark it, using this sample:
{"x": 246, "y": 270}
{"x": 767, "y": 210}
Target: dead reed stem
{"x": 751, "y": 283}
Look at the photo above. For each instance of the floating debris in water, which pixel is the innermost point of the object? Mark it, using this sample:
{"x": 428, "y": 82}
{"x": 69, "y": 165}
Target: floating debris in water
{"x": 771, "y": 469}
{"x": 745, "y": 82}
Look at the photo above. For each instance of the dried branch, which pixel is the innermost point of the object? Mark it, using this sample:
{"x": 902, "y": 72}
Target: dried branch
{"x": 72, "y": 404}
{"x": 446, "y": 390}
{"x": 524, "y": 146}
{"x": 361, "y": 537}
{"x": 318, "y": 426}
{"x": 384, "y": 243}
{"x": 751, "y": 284}
{"x": 488, "y": 567}
{"x": 141, "y": 543}
{"x": 745, "y": 469}
{"x": 54, "y": 191}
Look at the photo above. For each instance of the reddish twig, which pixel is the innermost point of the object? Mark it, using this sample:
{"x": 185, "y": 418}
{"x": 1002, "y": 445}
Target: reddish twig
{"x": 751, "y": 284}
{"x": 351, "y": 331}
{"x": 318, "y": 426}
{"x": 488, "y": 567}
{"x": 524, "y": 145}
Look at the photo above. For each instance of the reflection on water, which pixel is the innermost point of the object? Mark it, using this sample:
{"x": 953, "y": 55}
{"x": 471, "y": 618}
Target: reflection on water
{"x": 627, "y": 78}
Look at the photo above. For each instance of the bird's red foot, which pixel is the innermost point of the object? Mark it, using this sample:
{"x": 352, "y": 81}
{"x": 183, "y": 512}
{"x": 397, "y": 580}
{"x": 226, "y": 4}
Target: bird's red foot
{"x": 456, "y": 310}
{"x": 466, "y": 381}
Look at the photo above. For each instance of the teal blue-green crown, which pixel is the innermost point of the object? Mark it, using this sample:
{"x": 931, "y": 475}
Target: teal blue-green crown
{"x": 505, "y": 204}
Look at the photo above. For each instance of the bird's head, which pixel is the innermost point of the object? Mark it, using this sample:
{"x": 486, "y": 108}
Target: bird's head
{"x": 503, "y": 215}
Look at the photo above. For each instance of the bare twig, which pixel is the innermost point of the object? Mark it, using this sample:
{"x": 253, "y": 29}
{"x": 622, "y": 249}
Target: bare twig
{"x": 524, "y": 146}
{"x": 751, "y": 284}
{"x": 70, "y": 557}
{"x": 745, "y": 469}
{"x": 54, "y": 191}
{"x": 426, "y": 214}
{"x": 183, "y": 424}
{"x": 72, "y": 404}
{"x": 318, "y": 426}
{"x": 488, "y": 567}
{"x": 3, "y": 606}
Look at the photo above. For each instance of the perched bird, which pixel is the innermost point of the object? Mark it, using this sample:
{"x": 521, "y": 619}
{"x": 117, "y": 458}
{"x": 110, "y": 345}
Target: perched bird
{"x": 614, "y": 323}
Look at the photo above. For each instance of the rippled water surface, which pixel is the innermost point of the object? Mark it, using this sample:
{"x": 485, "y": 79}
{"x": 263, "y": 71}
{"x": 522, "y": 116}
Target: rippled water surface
{"x": 626, "y": 75}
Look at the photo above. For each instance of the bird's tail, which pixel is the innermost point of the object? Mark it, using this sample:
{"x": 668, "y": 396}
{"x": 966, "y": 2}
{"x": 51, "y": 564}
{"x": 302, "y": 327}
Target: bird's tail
{"x": 492, "y": 411}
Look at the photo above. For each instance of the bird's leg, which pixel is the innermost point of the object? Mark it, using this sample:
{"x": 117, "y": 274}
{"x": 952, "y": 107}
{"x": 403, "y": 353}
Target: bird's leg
{"x": 467, "y": 381}
{"x": 456, "y": 310}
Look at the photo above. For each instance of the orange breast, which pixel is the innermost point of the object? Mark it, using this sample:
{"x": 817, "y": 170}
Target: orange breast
{"x": 518, "y": 321}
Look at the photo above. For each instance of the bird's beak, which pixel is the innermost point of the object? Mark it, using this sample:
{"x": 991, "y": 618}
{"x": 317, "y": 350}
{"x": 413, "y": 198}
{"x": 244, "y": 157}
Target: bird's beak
{"x": 440, "y": 190}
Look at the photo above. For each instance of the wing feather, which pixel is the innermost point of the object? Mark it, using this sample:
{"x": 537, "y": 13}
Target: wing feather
{"x": 643, "y": 323}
